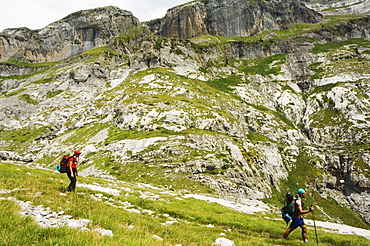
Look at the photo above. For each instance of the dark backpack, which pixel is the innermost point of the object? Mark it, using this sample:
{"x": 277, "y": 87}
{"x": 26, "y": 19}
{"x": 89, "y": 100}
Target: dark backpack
{"x": 287, "y": 212}
{"x": 62, "y": 167}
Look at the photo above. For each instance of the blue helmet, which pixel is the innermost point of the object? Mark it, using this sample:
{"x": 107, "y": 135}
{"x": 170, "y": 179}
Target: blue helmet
{"x": 300, "y": 191}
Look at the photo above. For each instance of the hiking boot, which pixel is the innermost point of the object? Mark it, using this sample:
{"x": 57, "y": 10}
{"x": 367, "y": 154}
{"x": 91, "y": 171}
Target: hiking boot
{"x": 61, "y": 189}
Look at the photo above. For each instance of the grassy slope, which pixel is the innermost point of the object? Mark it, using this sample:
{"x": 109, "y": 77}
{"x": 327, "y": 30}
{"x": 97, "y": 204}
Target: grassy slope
{"x": 41, "y": 188}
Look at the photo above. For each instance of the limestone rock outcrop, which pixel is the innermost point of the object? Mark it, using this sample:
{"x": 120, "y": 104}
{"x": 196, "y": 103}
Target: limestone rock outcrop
{"x": 72, "y": 35}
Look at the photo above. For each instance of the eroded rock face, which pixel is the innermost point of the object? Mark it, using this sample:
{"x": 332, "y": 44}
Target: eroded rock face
{"x": 232, "y": 18}
{"x": 74, "y": 34}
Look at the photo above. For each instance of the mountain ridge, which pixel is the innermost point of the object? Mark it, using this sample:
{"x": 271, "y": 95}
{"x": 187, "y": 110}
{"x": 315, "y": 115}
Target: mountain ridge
{"x": 81, "y": 31}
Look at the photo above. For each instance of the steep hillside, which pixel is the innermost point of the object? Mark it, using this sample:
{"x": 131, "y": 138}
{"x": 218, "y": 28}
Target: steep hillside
{"x": 246, "y": 117}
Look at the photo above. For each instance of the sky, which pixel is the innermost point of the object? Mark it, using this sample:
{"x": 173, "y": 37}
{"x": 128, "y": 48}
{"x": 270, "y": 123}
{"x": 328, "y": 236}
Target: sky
{"x": 36, "y": 14}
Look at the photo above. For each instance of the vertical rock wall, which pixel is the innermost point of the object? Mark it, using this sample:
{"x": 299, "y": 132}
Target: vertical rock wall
{"x": 232, "y": 18}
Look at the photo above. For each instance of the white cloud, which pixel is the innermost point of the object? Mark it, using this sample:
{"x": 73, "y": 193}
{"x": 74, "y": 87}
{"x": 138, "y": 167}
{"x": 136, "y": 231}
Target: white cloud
{"x": 36, "y": 14}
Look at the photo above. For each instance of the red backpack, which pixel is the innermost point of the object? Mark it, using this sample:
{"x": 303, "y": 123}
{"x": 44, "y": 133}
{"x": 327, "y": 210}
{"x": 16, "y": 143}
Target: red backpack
{"x": 62, "y": 167}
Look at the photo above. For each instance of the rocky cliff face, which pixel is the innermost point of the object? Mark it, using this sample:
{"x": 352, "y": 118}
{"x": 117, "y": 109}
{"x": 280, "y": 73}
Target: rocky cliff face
{"x": 76, "y": 33}
{"x": 247, "y": 117}
{"x": 231, "y": 18}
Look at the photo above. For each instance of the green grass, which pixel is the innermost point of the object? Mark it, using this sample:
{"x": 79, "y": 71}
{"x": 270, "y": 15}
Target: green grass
{"x": 329, "y": 117}
{"x": 192, "y": 216}
{"x": 51, "y": 161}
{"x": 326, "y": 47}
{"x": 28, "y": 98}
{"x": 225, "y": 84}
{"x": 116, "y": 134}
{"x": 101, "y": 50}
{"x": 102, "y": 54}
{"x": 16, "y": 76}
{"x": 51, "y": 94}
{"x": 26, "y": 76}
{"x": 142, "y": 172}
{"x": 130, "y": 35}
{"x": 277, "y": 114}
{"x": 346, "y": 6}
{"x": 15, "y": 92}
{"x": 43, "y": 81}
{"x": 30, "y": 64}
{"x": 257, "y": 137}
{"x": 318, "y": 69}
{"x": 23, "y": 231}
{"x": 264, "y": 66}
{"x": 19, "y": 139}
{"x": 81, "y": 135}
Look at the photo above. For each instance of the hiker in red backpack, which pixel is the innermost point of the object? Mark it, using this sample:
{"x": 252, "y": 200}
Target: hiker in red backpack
{"x": 297, "y": 219}
{"x": 72, "y": 170}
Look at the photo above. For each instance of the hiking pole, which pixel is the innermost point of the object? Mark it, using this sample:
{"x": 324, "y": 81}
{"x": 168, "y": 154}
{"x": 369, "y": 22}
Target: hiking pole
{"x": 314, "y": 225}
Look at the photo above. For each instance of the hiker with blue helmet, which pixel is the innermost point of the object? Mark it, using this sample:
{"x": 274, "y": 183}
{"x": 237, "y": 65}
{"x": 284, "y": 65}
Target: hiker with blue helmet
{"x": 297, "y": 219}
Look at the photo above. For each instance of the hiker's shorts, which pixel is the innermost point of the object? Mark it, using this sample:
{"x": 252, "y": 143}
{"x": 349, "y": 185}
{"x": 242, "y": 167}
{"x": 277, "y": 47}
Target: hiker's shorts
{"x": 296, "y": 222}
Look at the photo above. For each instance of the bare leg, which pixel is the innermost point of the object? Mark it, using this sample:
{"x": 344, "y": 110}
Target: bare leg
{"x": 304, "y": 233}
{"x": 287, "y": 232}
